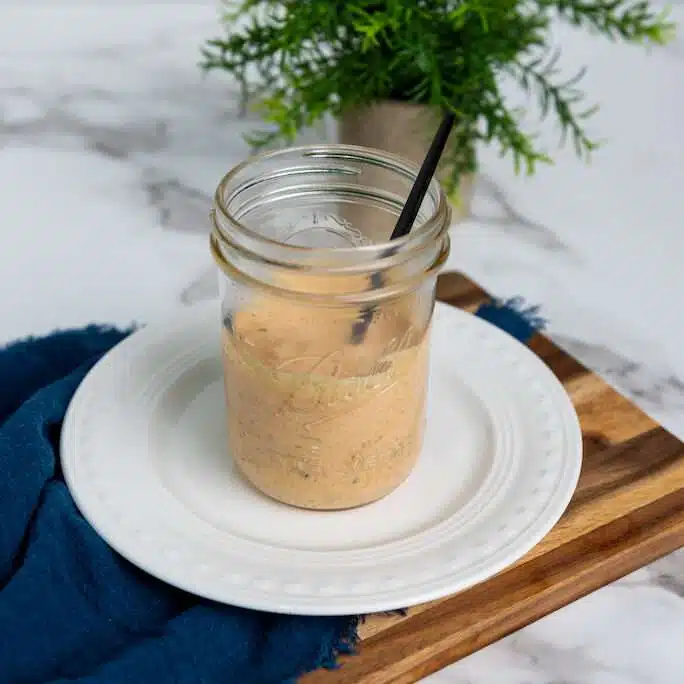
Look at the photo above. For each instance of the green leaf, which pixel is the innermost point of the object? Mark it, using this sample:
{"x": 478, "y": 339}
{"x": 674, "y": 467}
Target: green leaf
{"x": 303, "y": 59}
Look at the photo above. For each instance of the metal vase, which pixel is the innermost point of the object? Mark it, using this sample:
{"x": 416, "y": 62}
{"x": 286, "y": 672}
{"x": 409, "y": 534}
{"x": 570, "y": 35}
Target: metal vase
{"x": 402, "y": 128}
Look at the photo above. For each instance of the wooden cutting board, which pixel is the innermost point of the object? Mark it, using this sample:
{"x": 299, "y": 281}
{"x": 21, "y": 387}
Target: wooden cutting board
{"x": 627, "y": 511}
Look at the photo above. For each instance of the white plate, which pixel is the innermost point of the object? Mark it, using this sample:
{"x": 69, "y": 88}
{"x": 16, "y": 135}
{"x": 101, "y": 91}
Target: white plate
{"x": 144, "y": 455}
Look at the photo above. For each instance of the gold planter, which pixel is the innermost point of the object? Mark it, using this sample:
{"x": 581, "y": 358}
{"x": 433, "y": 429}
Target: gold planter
{"x": 401, "y": 128}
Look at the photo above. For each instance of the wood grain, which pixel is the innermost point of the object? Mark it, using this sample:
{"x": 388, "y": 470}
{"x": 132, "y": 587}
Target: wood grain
{"x": 627, "y": 511}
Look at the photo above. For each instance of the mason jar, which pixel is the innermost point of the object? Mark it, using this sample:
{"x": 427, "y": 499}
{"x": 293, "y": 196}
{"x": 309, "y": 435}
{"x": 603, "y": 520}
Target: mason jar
{"x": 325, "y": 322}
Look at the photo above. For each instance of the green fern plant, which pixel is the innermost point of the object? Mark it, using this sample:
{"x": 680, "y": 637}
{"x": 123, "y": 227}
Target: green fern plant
{"x": 303, "y": 59}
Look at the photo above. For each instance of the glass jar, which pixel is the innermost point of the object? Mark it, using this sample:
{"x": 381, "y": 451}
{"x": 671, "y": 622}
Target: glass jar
{"x": 325, "y": 322}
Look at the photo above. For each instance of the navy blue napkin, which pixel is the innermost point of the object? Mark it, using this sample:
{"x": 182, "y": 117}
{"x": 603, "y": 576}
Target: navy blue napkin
{"x": 71, "y": 609}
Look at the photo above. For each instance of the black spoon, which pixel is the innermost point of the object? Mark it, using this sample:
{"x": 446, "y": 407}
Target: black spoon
{"x": 408, "y": 214}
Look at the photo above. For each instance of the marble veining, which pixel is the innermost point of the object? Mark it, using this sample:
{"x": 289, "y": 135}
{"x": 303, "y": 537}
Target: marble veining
{"x": 111, "y": 145}
{"x": 493, "y": 208}
{"x": 180, "y": 207}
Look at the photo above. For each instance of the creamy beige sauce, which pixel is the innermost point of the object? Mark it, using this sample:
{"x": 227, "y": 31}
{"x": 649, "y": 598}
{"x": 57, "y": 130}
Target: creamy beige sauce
{"x": 315, "y": 421}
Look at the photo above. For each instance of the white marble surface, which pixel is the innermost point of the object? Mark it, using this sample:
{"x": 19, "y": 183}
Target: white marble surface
{"x": 111, "y": 143}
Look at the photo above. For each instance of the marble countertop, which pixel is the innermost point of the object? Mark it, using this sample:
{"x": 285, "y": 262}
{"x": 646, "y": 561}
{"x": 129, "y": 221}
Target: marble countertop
{"x": 111, "y": 143}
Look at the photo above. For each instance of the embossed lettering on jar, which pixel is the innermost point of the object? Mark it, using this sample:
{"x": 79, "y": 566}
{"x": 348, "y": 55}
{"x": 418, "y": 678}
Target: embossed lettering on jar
{"x": 319, "y": 416}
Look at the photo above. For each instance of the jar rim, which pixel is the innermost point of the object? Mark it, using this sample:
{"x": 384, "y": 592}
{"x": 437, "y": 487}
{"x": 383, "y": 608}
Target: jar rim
{"x": 299, "y": 255}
